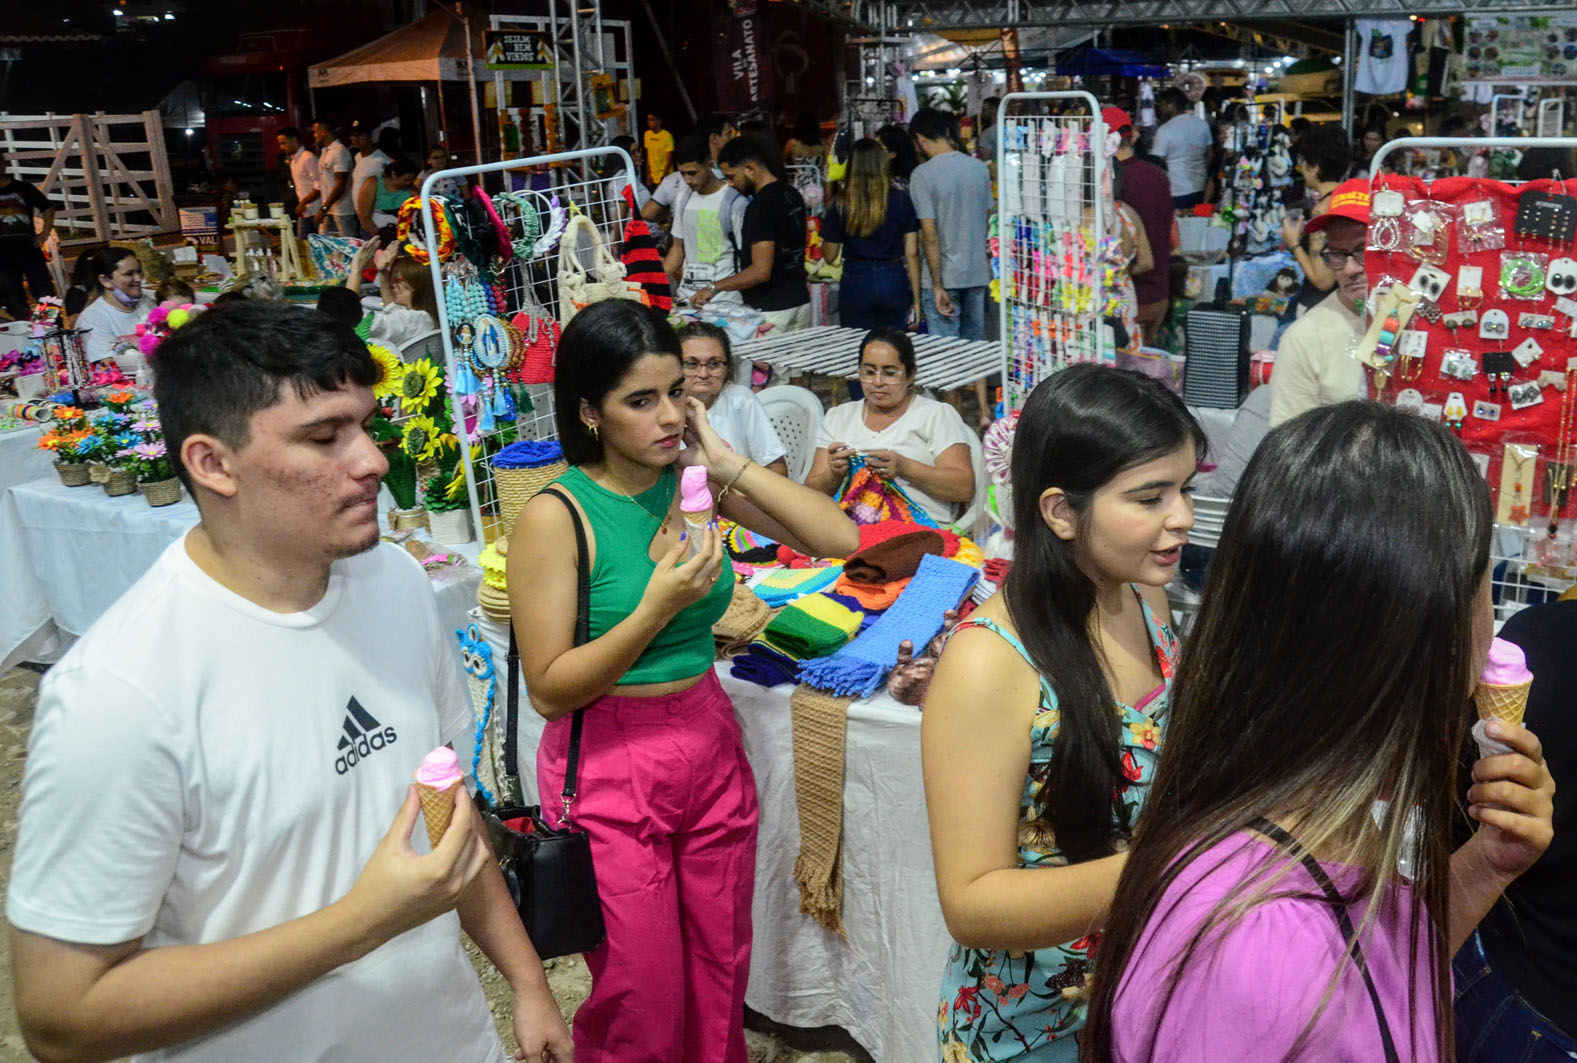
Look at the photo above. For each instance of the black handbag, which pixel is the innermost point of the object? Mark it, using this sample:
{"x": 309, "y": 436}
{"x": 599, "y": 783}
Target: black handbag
{"x": 548, "y": 868}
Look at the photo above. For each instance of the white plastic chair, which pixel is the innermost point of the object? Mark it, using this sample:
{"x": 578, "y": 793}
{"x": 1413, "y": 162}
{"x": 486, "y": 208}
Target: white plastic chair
{"x": 965, "y": 524}
{"x": 1210, "y": 515}
{"x": 796, "y": 414}
{"x": 427, "y": 345}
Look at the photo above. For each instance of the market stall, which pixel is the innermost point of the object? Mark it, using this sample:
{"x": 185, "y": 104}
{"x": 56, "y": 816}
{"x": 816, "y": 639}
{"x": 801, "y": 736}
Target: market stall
{"x": 1472, "y": 310}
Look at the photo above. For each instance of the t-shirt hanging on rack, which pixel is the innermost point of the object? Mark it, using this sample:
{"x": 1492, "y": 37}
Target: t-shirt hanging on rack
{"x": 1382, "y": 55}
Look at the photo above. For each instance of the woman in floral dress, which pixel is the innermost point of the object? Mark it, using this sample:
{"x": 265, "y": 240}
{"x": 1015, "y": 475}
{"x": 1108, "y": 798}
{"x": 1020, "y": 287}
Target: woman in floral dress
{"x": 1047, "y": 710}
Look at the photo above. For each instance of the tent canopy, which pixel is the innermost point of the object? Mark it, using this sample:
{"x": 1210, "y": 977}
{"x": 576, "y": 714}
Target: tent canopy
{"x": 1088, "y": 61}
{"x": 429, "y": 49}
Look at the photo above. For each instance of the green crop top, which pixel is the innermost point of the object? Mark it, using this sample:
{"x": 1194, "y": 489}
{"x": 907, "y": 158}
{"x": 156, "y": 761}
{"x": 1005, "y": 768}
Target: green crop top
{"x": 623, "y": 530}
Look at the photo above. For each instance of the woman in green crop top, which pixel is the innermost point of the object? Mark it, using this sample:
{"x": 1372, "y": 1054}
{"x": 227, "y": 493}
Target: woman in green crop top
{"x": 664, "y": 791}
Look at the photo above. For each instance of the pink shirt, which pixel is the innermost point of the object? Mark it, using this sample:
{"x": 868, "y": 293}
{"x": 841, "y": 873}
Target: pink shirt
{"x": 1247, "y": 993}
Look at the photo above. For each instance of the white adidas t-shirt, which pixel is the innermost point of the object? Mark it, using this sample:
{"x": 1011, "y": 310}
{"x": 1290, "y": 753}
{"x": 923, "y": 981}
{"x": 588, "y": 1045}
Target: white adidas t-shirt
{"x": 201, "y": 768}
{"x": 925, "y": 430}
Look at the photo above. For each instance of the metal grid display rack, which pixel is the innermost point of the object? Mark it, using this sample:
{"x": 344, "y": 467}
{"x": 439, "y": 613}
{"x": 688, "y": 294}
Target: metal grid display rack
{"x": 1050, "y": 172}
{"x": 527, "y": 285}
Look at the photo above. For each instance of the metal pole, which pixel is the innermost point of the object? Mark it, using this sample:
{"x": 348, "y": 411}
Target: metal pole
{"x": 470, "y": 84}
{"x": 1349, "y": 72}
{"x": 662, "y": 46}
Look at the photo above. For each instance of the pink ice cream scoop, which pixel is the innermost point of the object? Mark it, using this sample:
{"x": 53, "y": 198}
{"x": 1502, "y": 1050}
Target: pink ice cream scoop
{"x": 440, "y": 769}
{"x": 694, "y": 494}
{"x": 437, "y": 785}
{"x": 1507, "y": 665}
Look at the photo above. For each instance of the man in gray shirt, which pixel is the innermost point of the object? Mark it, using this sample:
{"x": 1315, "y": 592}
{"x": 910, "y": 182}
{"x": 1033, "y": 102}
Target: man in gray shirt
{"x": 1183, "y": 141}
{"x": 952, "y": 199}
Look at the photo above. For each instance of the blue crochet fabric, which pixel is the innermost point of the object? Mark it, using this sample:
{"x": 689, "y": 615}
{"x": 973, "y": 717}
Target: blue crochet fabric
{"x": 859, "y": 668}
{"x": 764, "y": 666}
{"x": 528, "y": 454}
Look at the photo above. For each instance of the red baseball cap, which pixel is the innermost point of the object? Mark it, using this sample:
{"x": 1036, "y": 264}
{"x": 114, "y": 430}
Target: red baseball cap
{"x": 1349, "y": 200}
{"x": 1116, "y": 119}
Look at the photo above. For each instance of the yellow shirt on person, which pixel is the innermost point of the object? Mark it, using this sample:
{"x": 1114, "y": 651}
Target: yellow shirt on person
{"x": 659, "y": 153}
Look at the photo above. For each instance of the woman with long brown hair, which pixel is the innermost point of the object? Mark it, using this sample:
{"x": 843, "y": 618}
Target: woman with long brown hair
{"x": 1291, "y": 893}
{"x": 873, "y": 228}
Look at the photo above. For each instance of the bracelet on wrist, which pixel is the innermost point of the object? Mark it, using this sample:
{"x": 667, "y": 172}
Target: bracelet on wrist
{"x": 730, "y": 485}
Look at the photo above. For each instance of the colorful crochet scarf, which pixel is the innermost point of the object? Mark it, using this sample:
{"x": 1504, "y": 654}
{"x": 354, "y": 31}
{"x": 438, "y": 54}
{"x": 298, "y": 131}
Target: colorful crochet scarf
{"x": 868, "y": 498}
{"x": 785, "y": 585}
{"x": 813, "y": 626}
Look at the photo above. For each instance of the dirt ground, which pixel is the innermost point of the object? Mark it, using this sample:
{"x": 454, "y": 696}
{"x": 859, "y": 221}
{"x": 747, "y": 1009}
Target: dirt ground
{"x": 568, "y": 977}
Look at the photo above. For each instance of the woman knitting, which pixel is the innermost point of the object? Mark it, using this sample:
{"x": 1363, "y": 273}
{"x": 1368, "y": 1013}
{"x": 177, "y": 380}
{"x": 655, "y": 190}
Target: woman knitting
{"x": 903, "y": 437}
{"x": 1047, "y": 709}
{"x": 664, "y": 790}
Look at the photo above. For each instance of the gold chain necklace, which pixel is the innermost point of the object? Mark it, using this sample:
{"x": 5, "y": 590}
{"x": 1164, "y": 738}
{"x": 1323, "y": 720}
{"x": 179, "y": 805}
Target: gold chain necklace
{"x": 662, "y": 518}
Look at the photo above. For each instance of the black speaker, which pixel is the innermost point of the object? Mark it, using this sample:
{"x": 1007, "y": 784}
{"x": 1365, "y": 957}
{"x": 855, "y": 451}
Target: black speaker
{"x": 1217, "y": 346}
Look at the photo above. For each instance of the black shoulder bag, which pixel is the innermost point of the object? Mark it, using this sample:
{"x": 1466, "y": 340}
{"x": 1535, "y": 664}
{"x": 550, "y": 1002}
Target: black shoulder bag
{"x": 1343, "y": 923}
{"x": 548, "y": 868}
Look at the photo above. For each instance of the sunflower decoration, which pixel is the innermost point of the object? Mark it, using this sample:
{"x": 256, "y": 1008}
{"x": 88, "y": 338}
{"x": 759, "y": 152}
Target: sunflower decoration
{"x": 420, "y": 439}
{"x": 419, "y": 384}
{"x": 390, "y": 368}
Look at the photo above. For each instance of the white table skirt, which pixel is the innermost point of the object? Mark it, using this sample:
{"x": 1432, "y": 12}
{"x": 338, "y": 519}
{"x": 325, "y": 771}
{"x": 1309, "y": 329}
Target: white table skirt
{"x": 70, "y": 552}
{"x": 883, "y": 983}
{"x": 20, "y": 458}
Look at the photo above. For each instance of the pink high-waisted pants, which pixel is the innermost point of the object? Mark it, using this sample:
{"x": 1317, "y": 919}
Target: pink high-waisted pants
{"x": 669, "y": 802}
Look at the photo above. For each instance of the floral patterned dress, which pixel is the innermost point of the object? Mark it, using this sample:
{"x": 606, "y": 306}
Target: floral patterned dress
{"x": 1000, "y": 1004}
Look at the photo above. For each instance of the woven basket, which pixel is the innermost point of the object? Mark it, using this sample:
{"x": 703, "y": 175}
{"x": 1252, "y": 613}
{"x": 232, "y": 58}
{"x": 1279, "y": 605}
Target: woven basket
{"x": 163, "y": 493}
{"x": 72, "y": 473}
{"x": 451, "y": 527}
{"x": 98, "y": 472}
{"x": 407, "y": 519}
{"x": 120, "y": 482}
{"x": 516, "y": 487}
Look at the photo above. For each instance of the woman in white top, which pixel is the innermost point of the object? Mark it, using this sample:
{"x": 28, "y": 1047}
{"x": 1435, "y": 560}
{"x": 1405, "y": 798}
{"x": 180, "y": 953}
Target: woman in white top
{"x": 116, "y": 309}
{"x": 915, "y": 441}
{"x": 409, "y": 308}
{"x": 733, "y": 409}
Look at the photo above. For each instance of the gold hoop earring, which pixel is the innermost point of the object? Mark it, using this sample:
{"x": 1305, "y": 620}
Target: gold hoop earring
{"x": 593, "y": 430}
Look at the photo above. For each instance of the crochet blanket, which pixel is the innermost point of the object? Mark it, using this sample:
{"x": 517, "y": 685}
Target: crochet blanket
{"x": 868, "y": 498}
{"x": 916, "y": 617}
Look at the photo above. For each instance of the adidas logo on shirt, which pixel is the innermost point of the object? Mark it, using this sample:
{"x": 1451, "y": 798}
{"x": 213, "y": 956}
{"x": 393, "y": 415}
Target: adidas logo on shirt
{"x": 363, "y": 736}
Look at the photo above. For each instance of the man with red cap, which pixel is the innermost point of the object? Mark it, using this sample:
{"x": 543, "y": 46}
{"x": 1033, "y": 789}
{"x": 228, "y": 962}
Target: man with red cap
{"x": 1315, "y": 365}
{"x": 1145, "y": 187}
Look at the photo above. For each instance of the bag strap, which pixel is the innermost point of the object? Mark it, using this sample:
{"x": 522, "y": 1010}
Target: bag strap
{"x": 1343, "y": 922}
{"x": 582, "y": 636}
{"x": 569, "y": 261}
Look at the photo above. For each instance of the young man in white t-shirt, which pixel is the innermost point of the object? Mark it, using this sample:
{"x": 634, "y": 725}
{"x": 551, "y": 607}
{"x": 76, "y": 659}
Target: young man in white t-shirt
{"x": 1184, "y": 142}
{"x": 337, "y": 215}
{"x": 206, "y": 867}
{"x": 708, "y": 225}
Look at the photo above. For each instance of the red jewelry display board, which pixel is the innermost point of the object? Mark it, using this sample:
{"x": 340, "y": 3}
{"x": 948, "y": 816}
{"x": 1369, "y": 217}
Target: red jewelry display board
{"x": 1499, "y": 360}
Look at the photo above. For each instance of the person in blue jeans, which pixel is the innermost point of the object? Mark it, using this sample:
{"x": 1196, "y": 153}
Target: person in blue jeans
{"x": 952, "y": 199}
{"x": 1516, "y": 977}
{"x": 873, "y": 229}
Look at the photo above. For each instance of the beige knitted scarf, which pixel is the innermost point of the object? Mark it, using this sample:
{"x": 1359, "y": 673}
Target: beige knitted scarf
{"x": 820, "y": 725}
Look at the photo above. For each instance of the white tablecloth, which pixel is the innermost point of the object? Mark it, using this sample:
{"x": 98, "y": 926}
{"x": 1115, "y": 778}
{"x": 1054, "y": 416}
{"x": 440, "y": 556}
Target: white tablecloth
{"x": 882, "y": 984}
{"x": 69, "y": 552}
{"x": 20, "y": 458}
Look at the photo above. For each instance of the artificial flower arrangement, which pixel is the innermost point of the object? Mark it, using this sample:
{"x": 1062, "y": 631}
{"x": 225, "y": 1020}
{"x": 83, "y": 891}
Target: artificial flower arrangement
{"x": 413, "y": 425}
{"x": 70, "y": 428}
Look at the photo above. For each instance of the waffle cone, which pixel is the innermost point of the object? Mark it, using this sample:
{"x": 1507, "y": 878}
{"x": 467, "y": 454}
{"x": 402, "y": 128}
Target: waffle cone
{"x": 437, "y": 809}
{"x": 1502, "y": 702}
